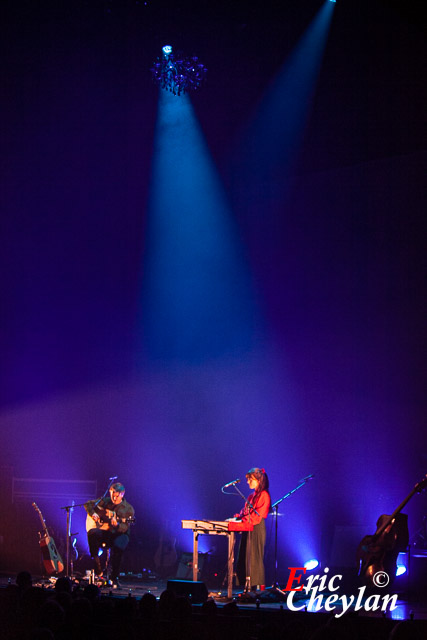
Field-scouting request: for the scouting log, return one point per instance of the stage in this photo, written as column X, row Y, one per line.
column 408, row 605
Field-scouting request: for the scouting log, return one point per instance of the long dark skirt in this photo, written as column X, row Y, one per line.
column 253, row 566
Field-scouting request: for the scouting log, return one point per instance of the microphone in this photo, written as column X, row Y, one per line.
column 114, row 478
column 230, row 484
column 307, row 478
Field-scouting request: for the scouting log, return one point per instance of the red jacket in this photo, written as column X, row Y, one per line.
column 261, row 502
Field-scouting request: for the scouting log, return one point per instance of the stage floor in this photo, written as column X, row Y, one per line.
column 407, row 606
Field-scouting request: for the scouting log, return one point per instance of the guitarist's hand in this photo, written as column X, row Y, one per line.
column 113, row 521
column 95, row 517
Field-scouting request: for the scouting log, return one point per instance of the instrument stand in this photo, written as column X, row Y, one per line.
column 209, row 527
column 275, row 589
column 69, row 510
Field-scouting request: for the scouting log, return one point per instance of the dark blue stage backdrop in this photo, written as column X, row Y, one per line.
column 195, row 285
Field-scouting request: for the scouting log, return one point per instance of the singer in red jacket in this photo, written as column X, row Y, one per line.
column 251, row 522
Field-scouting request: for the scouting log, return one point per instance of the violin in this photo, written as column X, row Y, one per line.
column 378, row 552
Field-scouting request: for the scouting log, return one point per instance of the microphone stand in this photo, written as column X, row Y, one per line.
column 275, row 589
column 251, row 507
column 69, row 509
column 110, row 484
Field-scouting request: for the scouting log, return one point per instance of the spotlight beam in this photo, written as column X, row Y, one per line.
column 276, row 132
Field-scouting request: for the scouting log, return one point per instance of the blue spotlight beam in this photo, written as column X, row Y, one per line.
column 197, row 300
column 197, row 307
column 277, row 131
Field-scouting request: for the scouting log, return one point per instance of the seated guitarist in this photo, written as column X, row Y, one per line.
column 108, row 524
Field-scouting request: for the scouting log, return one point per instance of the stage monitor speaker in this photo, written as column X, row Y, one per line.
column 196, row 592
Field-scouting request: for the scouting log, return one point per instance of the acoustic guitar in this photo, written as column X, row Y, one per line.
column 378, row 552
column 105, row 517
column 52, row 560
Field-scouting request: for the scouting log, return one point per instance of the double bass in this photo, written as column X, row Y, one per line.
column 378, row 552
